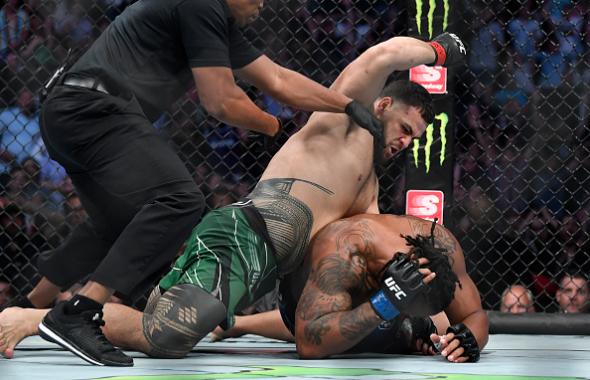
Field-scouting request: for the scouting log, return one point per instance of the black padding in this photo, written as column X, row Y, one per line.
column 539, row 323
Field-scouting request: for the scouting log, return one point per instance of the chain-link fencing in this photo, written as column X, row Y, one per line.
column 521, row 207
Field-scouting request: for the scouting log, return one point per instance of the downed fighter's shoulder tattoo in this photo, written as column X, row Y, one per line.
column 442, row 236
column 354, row 237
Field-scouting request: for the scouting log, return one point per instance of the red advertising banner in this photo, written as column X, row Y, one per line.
column 425, row 204
column 434, row 79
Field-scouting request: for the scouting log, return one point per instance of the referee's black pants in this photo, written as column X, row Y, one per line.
column 140, row 198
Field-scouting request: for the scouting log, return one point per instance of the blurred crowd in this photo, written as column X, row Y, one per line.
column 522, row 151
column 522, row 170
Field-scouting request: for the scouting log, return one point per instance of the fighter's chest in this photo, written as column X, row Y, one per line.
column 365, row 193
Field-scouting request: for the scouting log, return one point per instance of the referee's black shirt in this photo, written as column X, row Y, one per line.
column 150, row 48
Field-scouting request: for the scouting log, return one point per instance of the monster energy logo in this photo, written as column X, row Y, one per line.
column 443, row 119
column 430, row 15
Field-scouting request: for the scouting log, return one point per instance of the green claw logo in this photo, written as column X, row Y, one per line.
column 430, row 15
column 443, row 121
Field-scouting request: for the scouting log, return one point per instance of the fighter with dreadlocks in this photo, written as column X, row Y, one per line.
column 369, row 284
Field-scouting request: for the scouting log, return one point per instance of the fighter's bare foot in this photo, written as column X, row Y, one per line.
column 14, row 327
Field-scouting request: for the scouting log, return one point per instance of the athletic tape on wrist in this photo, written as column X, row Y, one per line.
column 441, row 54
column 383, row 307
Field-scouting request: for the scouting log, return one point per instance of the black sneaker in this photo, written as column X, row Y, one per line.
column 81, row 334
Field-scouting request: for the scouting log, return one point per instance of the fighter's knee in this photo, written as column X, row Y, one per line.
column 182, row 316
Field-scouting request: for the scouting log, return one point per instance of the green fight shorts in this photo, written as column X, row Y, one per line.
column 226, row 257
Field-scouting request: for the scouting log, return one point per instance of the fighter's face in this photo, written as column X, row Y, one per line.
column 402, row 124
column 245, row 11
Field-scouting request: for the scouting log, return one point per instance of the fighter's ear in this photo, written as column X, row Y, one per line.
column 383, row 103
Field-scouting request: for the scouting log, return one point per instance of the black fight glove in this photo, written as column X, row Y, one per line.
column 401, row 284
column 365, row 119
column 422, row 327
column 467, row 340
column 266, row 142
column 270, row 141
column 449, row 50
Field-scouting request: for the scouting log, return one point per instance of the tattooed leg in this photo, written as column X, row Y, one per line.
column 182, row 316
column 152, row 301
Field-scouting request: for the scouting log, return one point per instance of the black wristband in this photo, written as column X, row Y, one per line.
column 467, row 340
column 270, row 141
column 365, row 119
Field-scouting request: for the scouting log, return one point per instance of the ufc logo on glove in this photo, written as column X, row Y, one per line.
column 394, row 287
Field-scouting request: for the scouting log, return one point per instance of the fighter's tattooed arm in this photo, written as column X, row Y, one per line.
column 327, row 319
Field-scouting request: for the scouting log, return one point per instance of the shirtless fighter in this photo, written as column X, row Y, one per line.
column 328, row 306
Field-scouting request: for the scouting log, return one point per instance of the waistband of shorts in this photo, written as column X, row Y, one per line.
column 255, row 220
column 287, row 315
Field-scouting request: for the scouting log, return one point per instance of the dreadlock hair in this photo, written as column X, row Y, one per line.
column 442, row 288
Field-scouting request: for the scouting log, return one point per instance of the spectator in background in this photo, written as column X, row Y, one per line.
column 221, row 196
column 573, row 245
column 551, row 60
column 14, row 28
column 572, row 295
column 48, row 198
column 71, row 25
column 517, row 299
column 24, row 192
column 5, row 291
column 52, row 174
column 19, row 128
column 17, row 247
column 74, row 211
column 525, row 31
column 485, row 46
column 42, row 52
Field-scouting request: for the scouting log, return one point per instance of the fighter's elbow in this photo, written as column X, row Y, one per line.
column 308, row 351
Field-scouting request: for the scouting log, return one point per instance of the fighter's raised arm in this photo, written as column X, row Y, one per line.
column 365, row 77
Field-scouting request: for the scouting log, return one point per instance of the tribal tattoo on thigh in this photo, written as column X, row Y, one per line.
column 171, row 329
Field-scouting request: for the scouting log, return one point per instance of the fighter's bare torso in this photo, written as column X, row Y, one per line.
column 333, row 166
column 323, row 173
